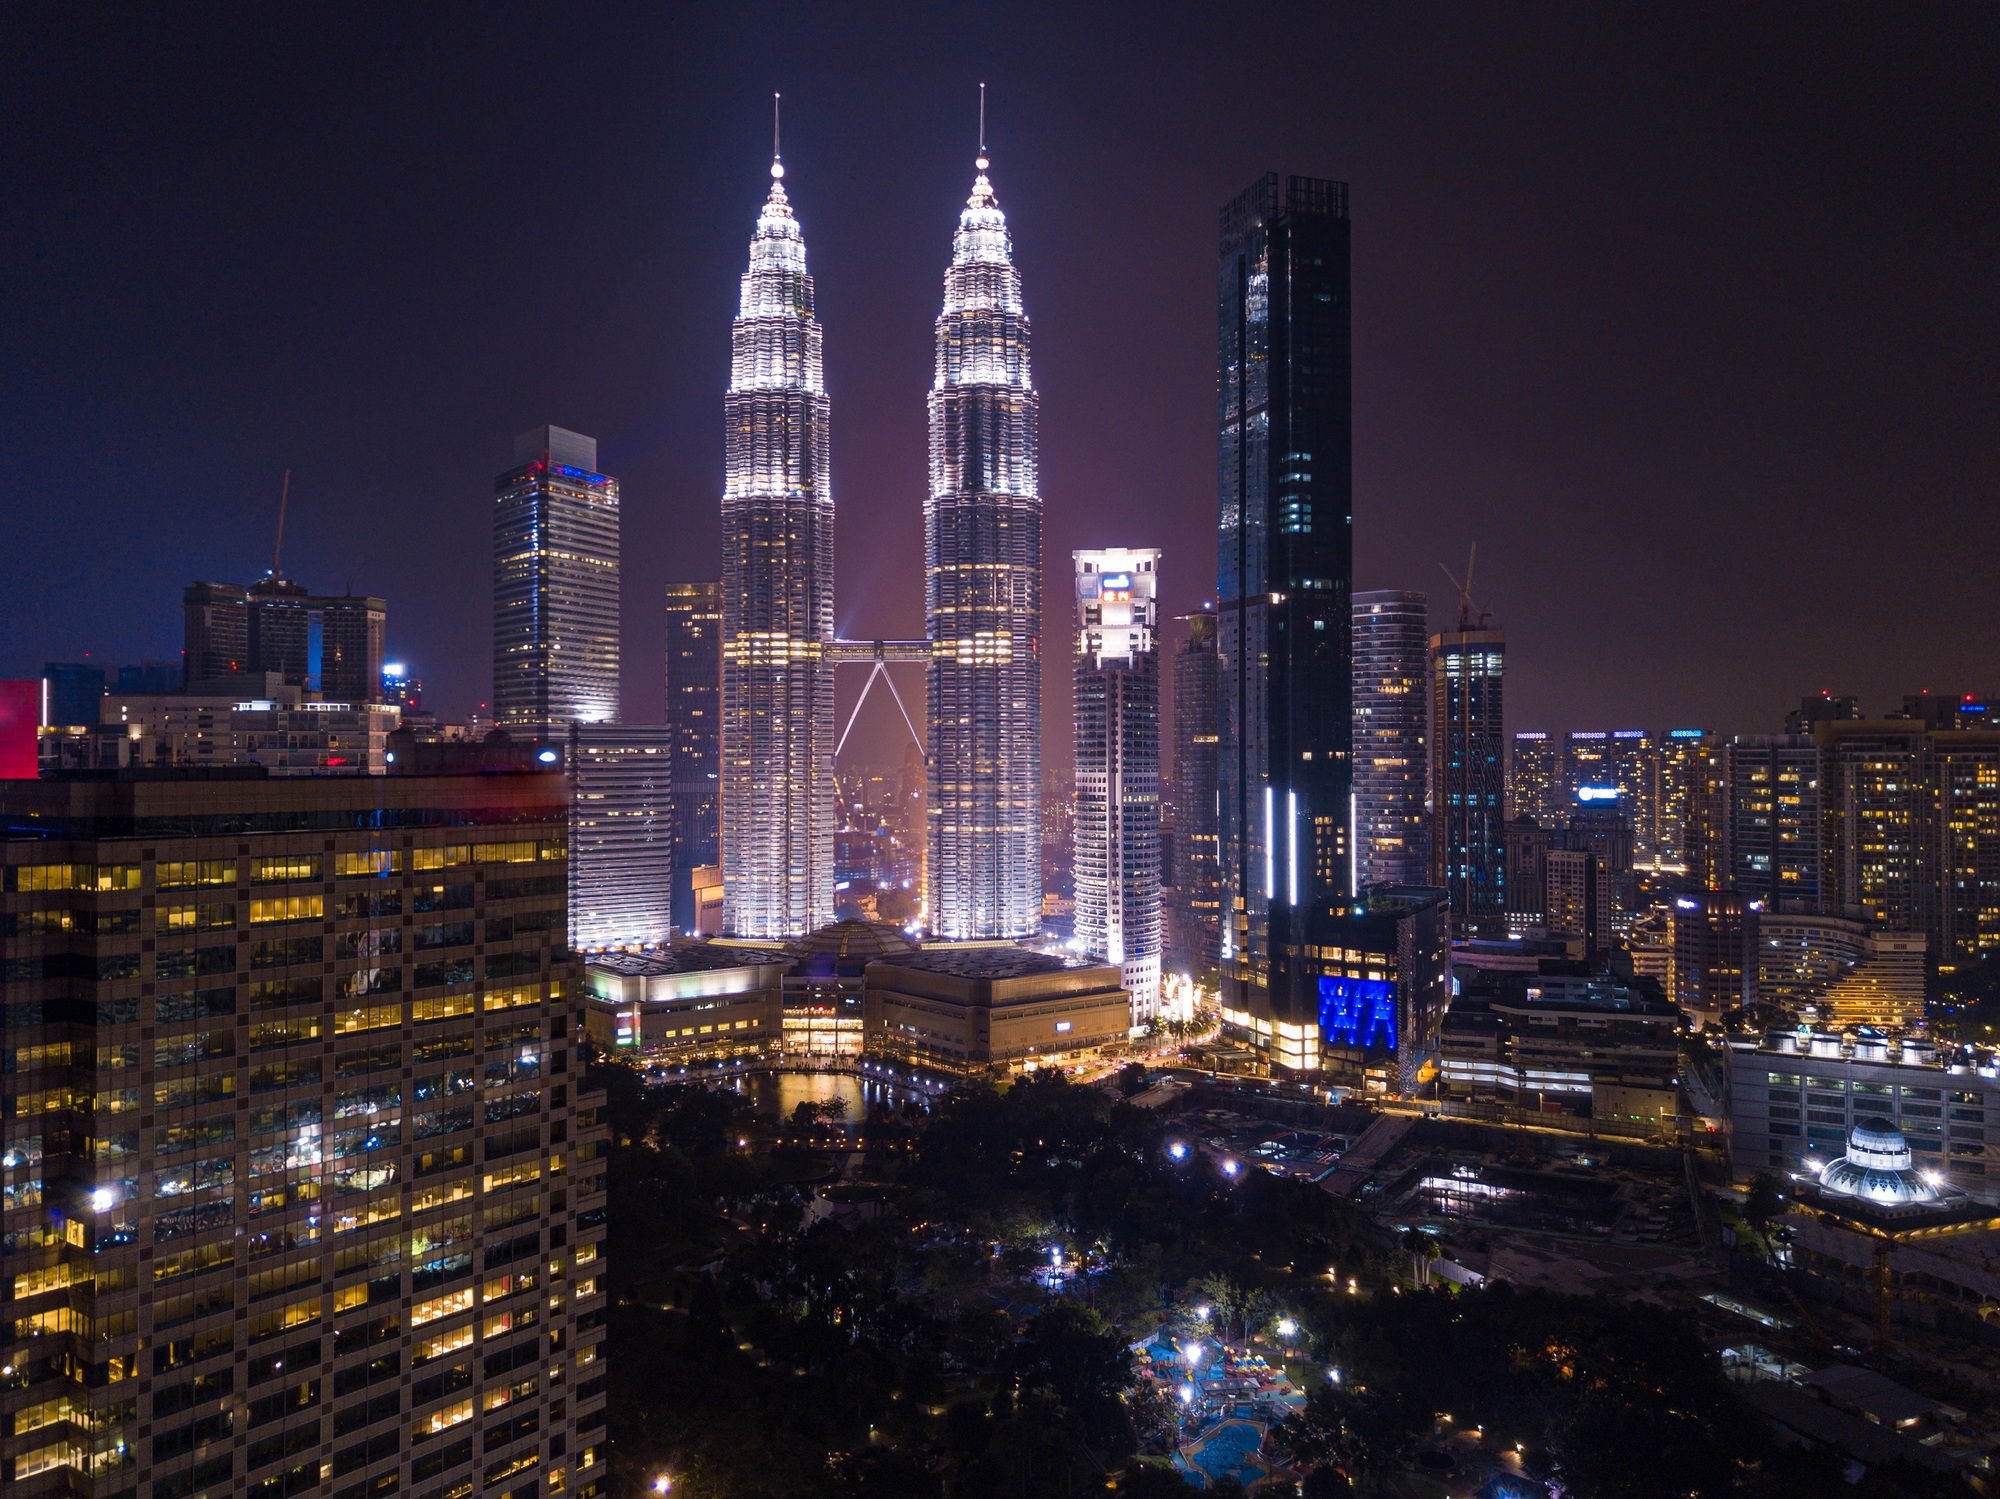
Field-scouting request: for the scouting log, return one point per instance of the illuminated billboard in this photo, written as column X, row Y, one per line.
column 1357, row 1012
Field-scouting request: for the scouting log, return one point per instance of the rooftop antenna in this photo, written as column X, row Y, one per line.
column 284, row 496
column 1467, row 610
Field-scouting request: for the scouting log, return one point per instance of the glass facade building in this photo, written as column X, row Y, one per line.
column 1391, row 768
column 1197, row 937
column 694, row 719
column 621, row 835
column 1118, row 767
column 983, row 594
column 1468, row 830
column 1534, row 781
column 1285, row 575
column 555, row 587
column 302, row 1194
column 777, row 597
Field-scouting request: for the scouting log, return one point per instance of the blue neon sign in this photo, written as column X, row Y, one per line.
column 1357, row 1012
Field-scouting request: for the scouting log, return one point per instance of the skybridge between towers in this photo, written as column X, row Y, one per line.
column 878, row 655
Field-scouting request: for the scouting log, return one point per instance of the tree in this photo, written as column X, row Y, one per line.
column 1765, row 1200
column 1132, row 1078
column 1150, row 1481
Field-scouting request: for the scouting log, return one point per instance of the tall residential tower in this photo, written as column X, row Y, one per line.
column 983, row 594
column 694, row 718
column 1196, row 934
column 1468, row 834
column 555, row 588
column 777, row 597
column 1118, row 767
column 1391, row 639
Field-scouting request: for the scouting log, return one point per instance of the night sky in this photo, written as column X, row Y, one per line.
column 1686, row 316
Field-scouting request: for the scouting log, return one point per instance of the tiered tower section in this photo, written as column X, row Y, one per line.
column 983, row 596
column 777, row 598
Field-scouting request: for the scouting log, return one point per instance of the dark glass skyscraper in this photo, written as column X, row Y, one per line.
column 1283, row 590
column 1391, row 647
column 1468, row 789
column 694, row 721
column 1197, row 928
column 983, row 594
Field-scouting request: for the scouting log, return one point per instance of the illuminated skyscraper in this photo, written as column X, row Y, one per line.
column 1197, row 932
column 621, row 834
column 1391, row 641
column 555, row 587
column 1468, row 834
column 777, row 597
column 1118, row 767
column 1683, row 758
column 1534, row 780
column 983, row 594
column 694, row 717
column 1285, row 532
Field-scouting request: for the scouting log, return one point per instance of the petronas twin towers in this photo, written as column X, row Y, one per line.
column 982, row 597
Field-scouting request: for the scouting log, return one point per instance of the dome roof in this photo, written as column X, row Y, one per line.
column 1878, row 1169
column 844, row 948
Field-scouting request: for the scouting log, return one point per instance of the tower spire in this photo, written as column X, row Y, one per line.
column 777, row 157
column 982, row 127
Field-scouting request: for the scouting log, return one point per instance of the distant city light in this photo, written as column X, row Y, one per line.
column 548, row 757
column 104, row 1199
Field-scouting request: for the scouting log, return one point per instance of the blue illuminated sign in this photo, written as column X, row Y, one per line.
column 1597, row 793
column 1357, row 1012
column 1685, row 733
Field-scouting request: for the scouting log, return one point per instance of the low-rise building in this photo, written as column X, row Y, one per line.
column 694, row 1001
column 991, row 1007
column 283, row 728
column 1796, row 1095
column 1566, row 1040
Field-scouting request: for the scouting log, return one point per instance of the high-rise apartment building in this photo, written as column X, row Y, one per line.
column 1624, row 760
column 777, row 596
column 1283, row 601
column 216, row 639
column 1197, row 925
column 1770, row 825
column 1682, row 756
column 1468, row 832
column 983, row 593
column 694, row 718
column 621, row 835
column 1118, row 917
column 1534, row 779
column 555, row 587
column 303, row 1195
column 281, row 628
column 1391, row 768
column 353, row 634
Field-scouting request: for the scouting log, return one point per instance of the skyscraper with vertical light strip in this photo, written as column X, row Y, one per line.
column 983, row 594
column 777, row 597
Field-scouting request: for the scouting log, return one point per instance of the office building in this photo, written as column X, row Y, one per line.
column 991, row 1008
column 281, row 628
column 352, row 635
column 1284, row 586
column 326, row 1215
column 1796, row 1094
column 1468, row 838
column 1117, row 717
column 1534, row 779
column 1196, row 931
column 1715, row 954
column 72, row 693
column 983, row 594
column 1567, row 1039
column 1801, row 951
column 1601, row 826
column 1391, row 764
column 555, row 587
column 1527, row 901
column 281, row 728
column 216, row 632
column 694, row 715
column 621, row 835
column 1683, row 755
column 1884, row 990
column 777, row 729
column 151, row 677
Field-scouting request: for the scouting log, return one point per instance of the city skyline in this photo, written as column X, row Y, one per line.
column 1443, row 367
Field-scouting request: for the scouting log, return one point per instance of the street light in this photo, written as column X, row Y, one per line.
column 1287, row 1327
column 1202, row 1312
column 663, row 1483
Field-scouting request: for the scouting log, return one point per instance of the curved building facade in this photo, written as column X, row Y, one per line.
column 777, row 598
column 983, row 595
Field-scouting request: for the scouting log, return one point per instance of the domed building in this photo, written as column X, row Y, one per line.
column 1879, row 1170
